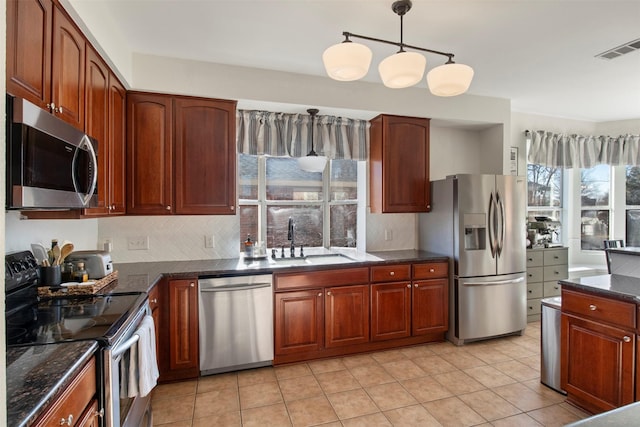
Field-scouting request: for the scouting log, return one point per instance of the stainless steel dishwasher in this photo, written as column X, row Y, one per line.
column 236, row 323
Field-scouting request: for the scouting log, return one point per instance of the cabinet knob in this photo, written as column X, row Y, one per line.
column 432, row 270
column 51, row 106
column 530, row 291
column 529, row 259
column 154, row 301
column 99, row 413
column 329, row 293
column 58, row 110
column 556, row 288
column 319, row 294
column 232, row 207
column 113, row 207
column 192, row 284
column 67, row 421
column 168, row 207
column 415, row 285
column 626, row 339
column 392, row 273
column 409, row 285
column 592, row 307
column 555, row 257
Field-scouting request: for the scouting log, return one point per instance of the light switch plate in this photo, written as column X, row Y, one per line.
column 138, row 243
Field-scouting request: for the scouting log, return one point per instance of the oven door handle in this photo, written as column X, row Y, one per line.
column 118, row 351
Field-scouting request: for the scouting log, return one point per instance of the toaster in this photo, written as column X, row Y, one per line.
column 97, row 263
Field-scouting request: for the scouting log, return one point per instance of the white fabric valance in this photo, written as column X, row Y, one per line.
column 577, row 151
column 282, row 134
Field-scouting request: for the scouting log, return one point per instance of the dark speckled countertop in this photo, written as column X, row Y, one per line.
column 608, row 285
column 37, row 374
column 143, row 276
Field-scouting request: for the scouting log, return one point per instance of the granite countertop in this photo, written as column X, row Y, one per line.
column 624, row 416
column 608, row 285
column 37, row 374
column 142, row 276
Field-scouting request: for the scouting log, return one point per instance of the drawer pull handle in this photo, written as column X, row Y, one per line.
column 67, row 421
column 319, row 294
column 432, row 270
column 392, row 273
column 530, row 259
column 415, row 285
column 192, row 284
column 329, row 293
column 154, row 301
column 626, row 339
column 409, row 285
column 555, row 257
column 530, row 291
column 556, row 288
column 592, row 307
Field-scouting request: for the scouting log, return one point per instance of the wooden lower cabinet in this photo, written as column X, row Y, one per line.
column 390, row 310
column 299, row 321
column 346, row 311
column 430, row 306
column 91, row 416
column 177, row 341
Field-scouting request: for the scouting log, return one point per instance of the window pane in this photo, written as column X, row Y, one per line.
column 544, row 186
column 286, row 181
column 248, row 177
column 343, row 220
column 553, row 214
column 633, row 227
column 594, row 229
column 633, row 185
column 595, row 186
column 344, row 180
column 248, row 224
column 308, row 226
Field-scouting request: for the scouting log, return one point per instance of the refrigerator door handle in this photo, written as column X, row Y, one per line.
column 501, row 226
column 491, row 226
column 497, row 282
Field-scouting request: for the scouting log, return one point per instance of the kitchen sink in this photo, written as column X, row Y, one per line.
column 320, row 259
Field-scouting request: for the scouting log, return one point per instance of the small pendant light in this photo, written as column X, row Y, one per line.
column 312, row 162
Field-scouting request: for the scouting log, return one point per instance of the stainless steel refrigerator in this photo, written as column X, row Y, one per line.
column 479, row 222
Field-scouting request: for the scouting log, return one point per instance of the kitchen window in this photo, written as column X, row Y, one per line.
column 544, row 192
column 323, row 205
column 632, row 198
column 595, row 191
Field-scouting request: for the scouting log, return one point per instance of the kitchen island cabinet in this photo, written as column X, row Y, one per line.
column 399, row 164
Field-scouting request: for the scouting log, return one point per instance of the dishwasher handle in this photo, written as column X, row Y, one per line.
column 236, row 287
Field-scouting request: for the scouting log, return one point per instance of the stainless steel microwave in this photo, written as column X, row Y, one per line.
column 50, row 164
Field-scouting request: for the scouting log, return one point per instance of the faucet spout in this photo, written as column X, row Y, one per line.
column 291, row 234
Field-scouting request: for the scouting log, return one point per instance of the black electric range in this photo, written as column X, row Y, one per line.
column 31, row 320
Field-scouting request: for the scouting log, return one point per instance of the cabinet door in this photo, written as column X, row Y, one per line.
column 597, row 364
column 117, row 146
column 430, row 306
column 183, row 325
column 29, row 50
column 149, row 154
column 390, row 311
column 205, row 156
column 156, row 313
column 90, row 417
column 68, row 70
column 97, row 123
column 399, row 165
column 346, row 315
column 299, row 321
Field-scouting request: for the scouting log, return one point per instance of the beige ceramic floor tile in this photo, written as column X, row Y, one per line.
column 464, row 360
column 292, row 371
column 520, row 420
column 553, row 416
column 575, row 410
column 444, row 347
column 489, row 376
column 532, row 361
column 256, row 376
column 514, row 350
column 227, row 419
column 529, row 343
column 390, row 396
column 426, row 389
column 404, row 369
column 523, row 397
column 299, row 388
column 186, row 423
column 488, row 354
column 433, row 365
column 371, row 375
column 415, row 415
column 416, row 351
column 313, row 411
column 358, row 360
column 216, row 402
column 517, row 370
column 328, row 365
column 174, row 389
column 351, row 404
column 489, row 405
column 377, row 420
column 388, row 356
column 458, row 382
column 259, row 395
column 178, row 408
column 266, row 416
column 217, row 382
column 337, row 381
column 453, row 412
column 545, row 391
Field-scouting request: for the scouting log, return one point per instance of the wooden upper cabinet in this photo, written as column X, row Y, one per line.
column 29, row 50
column 67, row 70
column 117, row 147
column 399, row 164
column 149, row 154
column 205, row 156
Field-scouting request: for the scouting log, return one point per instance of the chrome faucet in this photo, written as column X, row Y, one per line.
column 291, row 235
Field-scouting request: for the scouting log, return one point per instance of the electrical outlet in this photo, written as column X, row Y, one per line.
column 208, row 241
column 388, row 234
column 138, row 243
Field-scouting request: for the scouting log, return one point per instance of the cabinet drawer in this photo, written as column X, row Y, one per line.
column 534, row 274
column 598, row 308
column 555, row 272
column 431, row 270
column 391, row 273
column 555, row 256
column 552, row 289
column 534, row 290
column 534, row 259
column 533, row 306
column 74, row 399
column 315, row 279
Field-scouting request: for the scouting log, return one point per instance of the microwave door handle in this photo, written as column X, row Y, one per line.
column 85, row 142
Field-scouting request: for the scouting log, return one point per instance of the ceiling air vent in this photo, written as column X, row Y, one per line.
column 631, row 46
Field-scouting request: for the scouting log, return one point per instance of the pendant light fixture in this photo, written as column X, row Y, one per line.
column 312, row 162
column 348, row 61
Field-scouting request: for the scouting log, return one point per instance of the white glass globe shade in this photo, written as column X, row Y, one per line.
column 312, row 163
column 402, row 69
column 347, row 61
column 449, row 79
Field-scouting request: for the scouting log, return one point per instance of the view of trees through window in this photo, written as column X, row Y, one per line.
column 632, row 190
column 595, row 189
column 323, row 206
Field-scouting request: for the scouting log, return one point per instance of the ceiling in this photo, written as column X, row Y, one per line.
column 538, row 53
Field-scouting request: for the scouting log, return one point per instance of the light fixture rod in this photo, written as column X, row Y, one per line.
column 401, row 45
